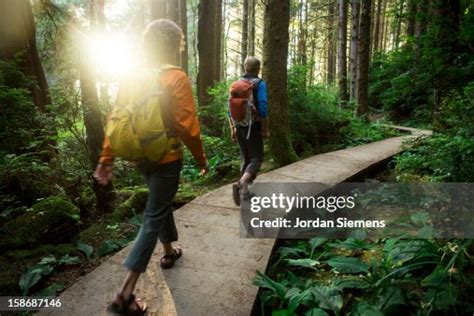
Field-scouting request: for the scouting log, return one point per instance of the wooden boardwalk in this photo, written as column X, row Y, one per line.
column 214, row 276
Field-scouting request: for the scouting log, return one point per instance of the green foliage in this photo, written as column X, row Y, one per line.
column 409, row 81
column 221, row 154
column 214, row 115
column 21, row 124
column 51, row 220
column 404, row 275
column 360, row 132
column 134, row 204
column 44, row 268
column 315, row 118
column 85, row 249
column 448, row 155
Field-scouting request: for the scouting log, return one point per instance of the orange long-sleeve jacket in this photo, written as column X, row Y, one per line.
column 183, row 113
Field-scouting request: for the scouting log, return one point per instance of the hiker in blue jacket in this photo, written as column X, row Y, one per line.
column 250, row 138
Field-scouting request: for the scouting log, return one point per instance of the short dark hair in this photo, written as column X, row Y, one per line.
column 251, row 65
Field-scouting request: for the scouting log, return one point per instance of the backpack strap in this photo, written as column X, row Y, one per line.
column 255, row 83
column 165, row 101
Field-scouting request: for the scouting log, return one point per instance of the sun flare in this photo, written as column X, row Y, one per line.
column 112, row 54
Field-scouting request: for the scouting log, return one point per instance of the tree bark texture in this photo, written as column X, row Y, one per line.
column 342, row 52
column 18, row 36
column 355, row 10
column 251, row 29
column 331, row 63
column 245, row 25
column 275, row 50
column 206, row 48
column 363, row 58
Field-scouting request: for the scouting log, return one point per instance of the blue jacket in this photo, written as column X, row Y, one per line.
column 261, row 96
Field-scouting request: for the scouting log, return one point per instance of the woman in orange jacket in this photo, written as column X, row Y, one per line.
column 163, row 40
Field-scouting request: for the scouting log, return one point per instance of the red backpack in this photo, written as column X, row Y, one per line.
column 242, row 106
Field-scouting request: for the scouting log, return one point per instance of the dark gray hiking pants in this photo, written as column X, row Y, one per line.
column 251, row 150
column 158, row 221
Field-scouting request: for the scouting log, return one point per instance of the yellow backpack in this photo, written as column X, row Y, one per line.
column 136, row 127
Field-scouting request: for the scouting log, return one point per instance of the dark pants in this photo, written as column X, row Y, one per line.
column 251, row 150
column 158, row 221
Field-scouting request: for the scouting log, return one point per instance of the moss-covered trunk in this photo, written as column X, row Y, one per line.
column 275, row 56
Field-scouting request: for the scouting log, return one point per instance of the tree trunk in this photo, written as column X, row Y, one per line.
column 92, row 116
column 384, row 38
column 396, row 41
column 342, row 52
column 445, row 26
column 217, row 42
column 412, row 5
column 245, row 25
column 159, row 9
column 331, row 71
column 420, row 26
column 372, row 28
column 18, row 34
column 302, row 34
column 206, row 48
column 251, row 30
column 355, row 10
column 183, row 23
column 376, row 37
column 275, row 50
column 363, row 58
column 173, row 11
column 384, row 22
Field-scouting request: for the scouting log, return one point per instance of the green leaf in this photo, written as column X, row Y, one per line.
column 316, row 312
column 293, row 251
column 28, row 280
column 327, row 297
column 32, row 276
column 366, row 309
column 281, row 312
column 51, row 290
column 426, row 232
column 304, row 263
column 348, row 264
column 107, row 247
column 351, row 243
column 264, row 281
column 391, row 296
column 351, row 283
column 85, row 249
column 420, row 218
column 49, row 260
column 315, row 243
column 297, row 299
column 67, row 259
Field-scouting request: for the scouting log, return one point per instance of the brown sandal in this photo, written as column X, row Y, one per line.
column 121, row 306
column 171, row 259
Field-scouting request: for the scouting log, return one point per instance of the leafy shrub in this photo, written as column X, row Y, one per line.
column 397, row 275
column 27, row 177
column 214, row 115
column 315, row 118
column 448, row 155
column 360, row 132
